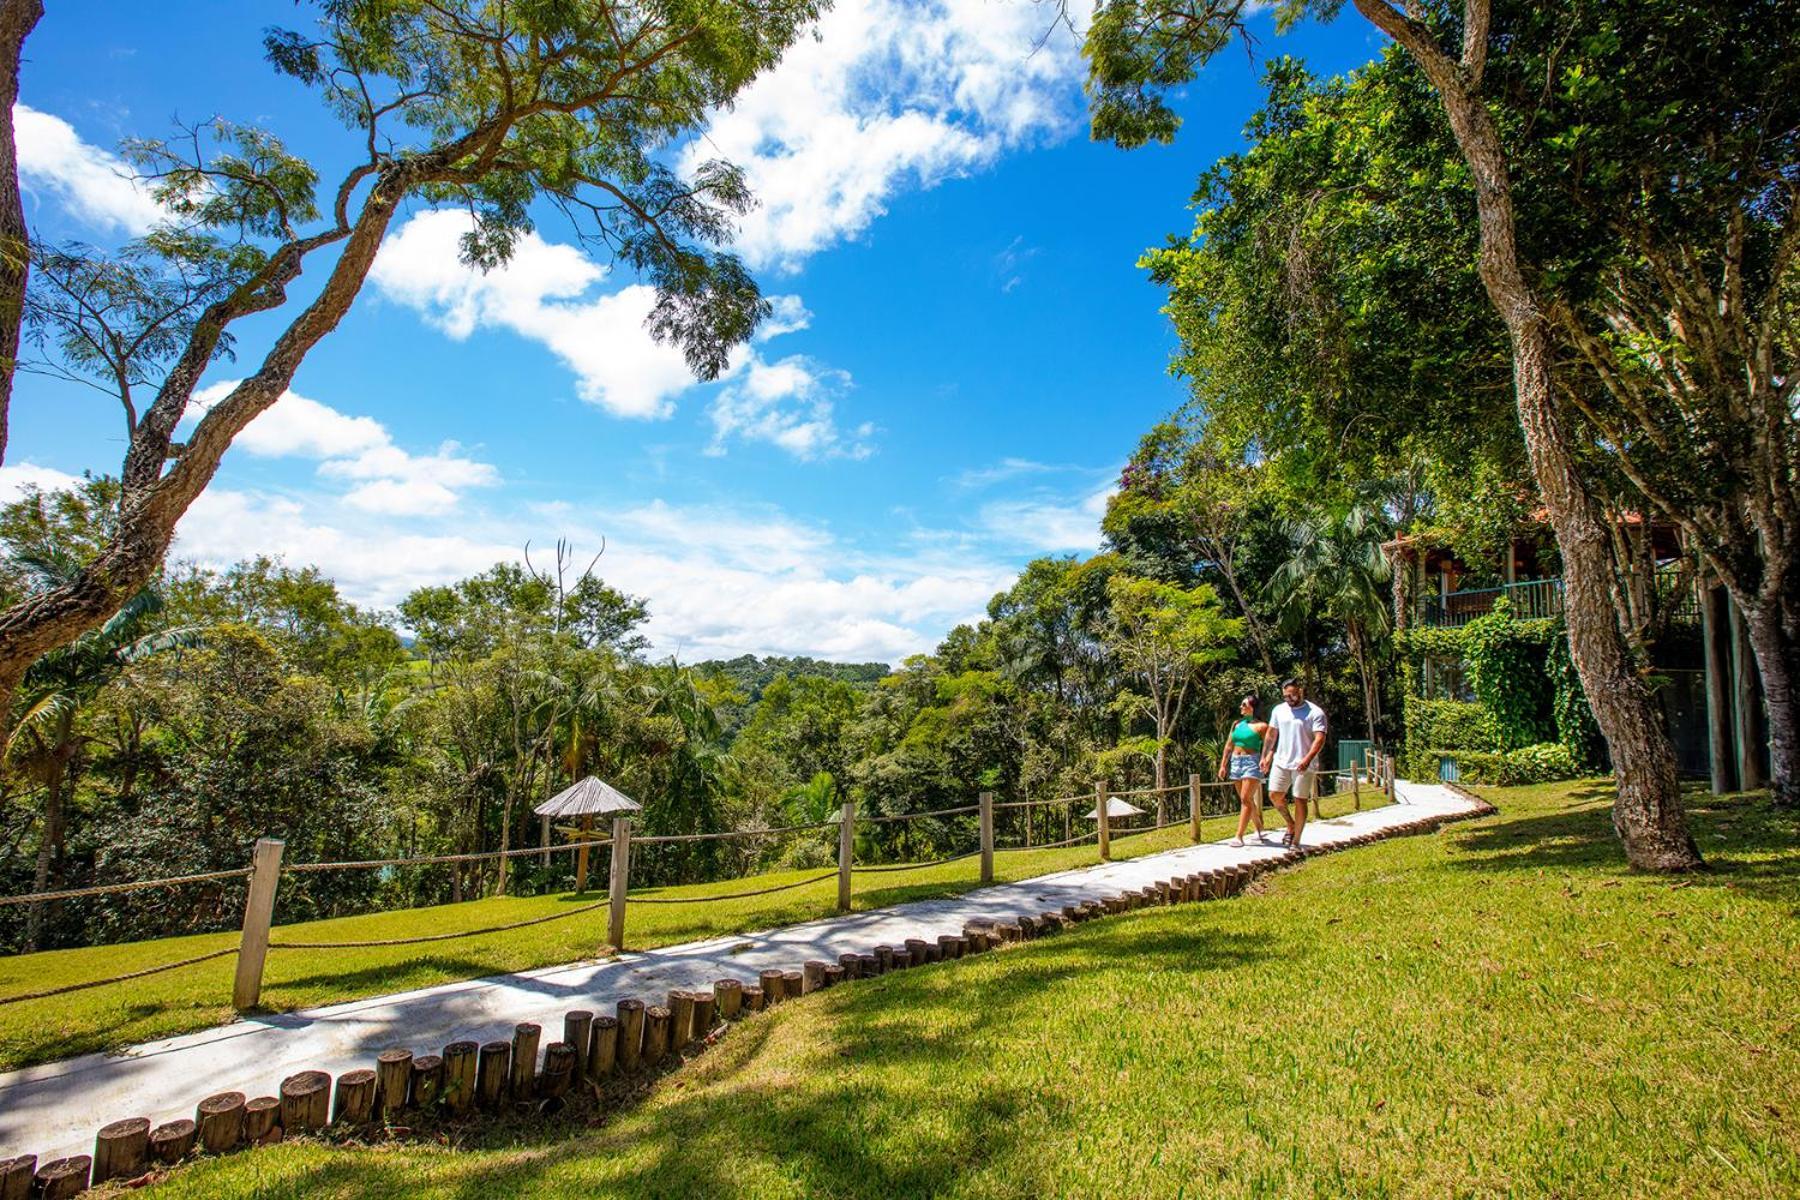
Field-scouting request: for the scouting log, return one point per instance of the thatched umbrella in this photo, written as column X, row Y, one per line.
column 586, row 799
column 1115, row 808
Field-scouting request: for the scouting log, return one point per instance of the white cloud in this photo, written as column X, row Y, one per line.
column 93, row 185
column 787, row 315
column 542, row 294
column 1046, row 523
column 788, row 404
column 721, row 581
column 889, row 94
column 16, row 477
column 358, row 449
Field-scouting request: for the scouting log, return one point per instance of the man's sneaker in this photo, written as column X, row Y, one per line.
column 1237, row 841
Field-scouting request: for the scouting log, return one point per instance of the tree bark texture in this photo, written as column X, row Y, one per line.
column 17, row 19
column 1647, row 814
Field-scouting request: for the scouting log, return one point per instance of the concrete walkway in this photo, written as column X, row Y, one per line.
column 54, row 1109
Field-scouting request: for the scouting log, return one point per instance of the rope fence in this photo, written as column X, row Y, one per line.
column 113, row 889
column 267, row 868
column 768, row 891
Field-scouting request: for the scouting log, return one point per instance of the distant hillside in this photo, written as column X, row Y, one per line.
column 749, row 675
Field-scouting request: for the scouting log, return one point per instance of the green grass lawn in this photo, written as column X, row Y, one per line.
column 1500, row 1009
column 196, row 997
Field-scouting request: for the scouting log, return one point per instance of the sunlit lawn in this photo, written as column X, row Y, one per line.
column 1499, row 1009
column 196, row 997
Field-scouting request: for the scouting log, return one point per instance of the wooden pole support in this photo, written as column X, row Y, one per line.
column 64, row 1177
column 16, row 1175
column 730, row 995
column 949, row 945
column 492, row 1066
column 560, row 1062
column 846, row 851
column 305, row 1101
column 1194, row 809
column 459, row 1076
column 259, row 911
column 754, row 1000
column 173, row 1141
column 631, row 1034
column 681, row 1020
column 773, row 993
column 619, row 883
column 525, row 1059
column 703, row 1014
column 220, row 1119
column 262, row 1120
column 393, row 1080
column 578, row 1031
column 884, row 955
column 656, row 1034
column 1101, row 819
column 852, row 964
column 792, row 984
column 427, row 1081
column 917, row 948
column 355, row 1102
column 987, row 837
column 1356, row 783
column 813, row 975
column 581, row 853
column 121, row 1149
column 603, row 1051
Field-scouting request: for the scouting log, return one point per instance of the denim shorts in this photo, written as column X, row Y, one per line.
column 1246, row 766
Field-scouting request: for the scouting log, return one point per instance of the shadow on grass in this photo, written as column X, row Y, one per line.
column 1748, row 845
column 786, row 1127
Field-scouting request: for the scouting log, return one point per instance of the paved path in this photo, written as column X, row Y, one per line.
column 54, row 1109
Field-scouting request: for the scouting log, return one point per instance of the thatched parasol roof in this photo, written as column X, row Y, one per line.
column 1115, row 808
column 588, row 797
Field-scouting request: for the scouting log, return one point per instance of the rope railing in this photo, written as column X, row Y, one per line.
column 111, row 889
column 938, row 812
column 768, row 891
column 66, row 988
column 266, row 869
column 664, row 839
column 371, row 943
column 434, row 859
column 883, row 868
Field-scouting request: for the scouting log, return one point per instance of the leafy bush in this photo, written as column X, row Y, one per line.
column 1506, row 660
column 1544, row 762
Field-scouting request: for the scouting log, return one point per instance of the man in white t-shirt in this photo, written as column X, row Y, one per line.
column 1291, row 755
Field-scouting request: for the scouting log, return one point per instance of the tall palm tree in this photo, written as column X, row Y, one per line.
column 1335, row 571
column 43, row 738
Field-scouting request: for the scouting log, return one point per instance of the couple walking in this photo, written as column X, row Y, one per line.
column 1284, row 751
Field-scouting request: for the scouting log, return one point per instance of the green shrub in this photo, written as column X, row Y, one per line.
column 1507, row 661
column 1545, row 762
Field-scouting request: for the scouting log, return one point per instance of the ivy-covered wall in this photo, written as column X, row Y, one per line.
column 1530, row 721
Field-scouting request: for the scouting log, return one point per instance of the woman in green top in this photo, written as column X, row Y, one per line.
column 1241, row 762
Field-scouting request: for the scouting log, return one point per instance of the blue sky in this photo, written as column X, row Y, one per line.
column 965, row 351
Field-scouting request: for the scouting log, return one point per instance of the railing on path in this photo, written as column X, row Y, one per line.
column 264, row 873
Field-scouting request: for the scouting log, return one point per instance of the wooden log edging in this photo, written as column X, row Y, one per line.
column 597, row 1051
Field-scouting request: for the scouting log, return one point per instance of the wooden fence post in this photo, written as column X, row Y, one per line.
column 987, row 837
column 1100, row 816
column 1356, row 782
column 621, row 875
column 259, row 910
column 1194, row 808
column 846, row 849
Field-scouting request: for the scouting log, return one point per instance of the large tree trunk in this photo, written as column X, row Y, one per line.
column 1778, row 661
column 1648, row 812
column 17, row 19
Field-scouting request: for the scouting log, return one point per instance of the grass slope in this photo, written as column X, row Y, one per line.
column 197, row 997
column 1500, row 1009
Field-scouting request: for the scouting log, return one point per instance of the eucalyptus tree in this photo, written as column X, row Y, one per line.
column 499, row 109
column 1140, row 49
column 17, row 19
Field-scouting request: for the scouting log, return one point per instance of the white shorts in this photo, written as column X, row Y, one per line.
column 1301, row 785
